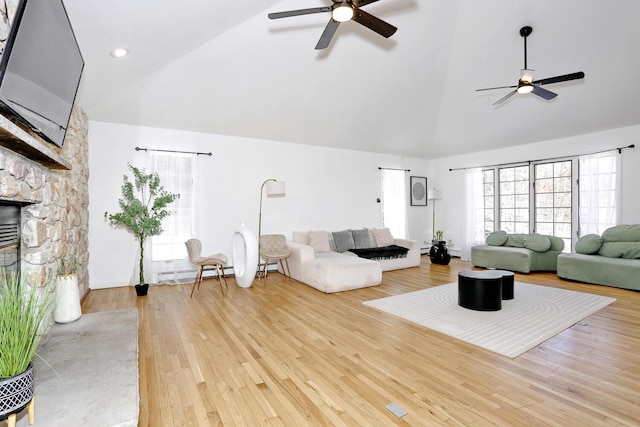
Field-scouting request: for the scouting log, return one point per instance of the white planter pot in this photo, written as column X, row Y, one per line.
column 245, row 256
column 67, row 299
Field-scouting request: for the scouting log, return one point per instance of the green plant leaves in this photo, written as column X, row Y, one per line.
column 143, row 207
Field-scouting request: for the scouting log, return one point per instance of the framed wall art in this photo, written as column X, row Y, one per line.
column 418, row 190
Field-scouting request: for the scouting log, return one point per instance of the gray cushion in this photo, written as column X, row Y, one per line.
column 588, row 244
column 361, row 238
column 343, row 240
column 497, row 238
column 537, row 242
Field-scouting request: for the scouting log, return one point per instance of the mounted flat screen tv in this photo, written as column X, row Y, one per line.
column 40, row 69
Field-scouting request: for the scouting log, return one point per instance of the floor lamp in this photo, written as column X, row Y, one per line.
column 274, row 188
column 434, row 195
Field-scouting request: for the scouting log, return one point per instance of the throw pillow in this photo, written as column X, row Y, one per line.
column 588, row 244
column 343, row 240
column 557, row 244
column 515, row 240
column 497, row 238
column 361, row 238
column 383, row 237
column 372, row 237
column 319, row 241
column 622, row 233
column 537, row 243
column 616, row 249
column 301, row 237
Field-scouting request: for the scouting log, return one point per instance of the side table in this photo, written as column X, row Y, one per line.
column 439, row 253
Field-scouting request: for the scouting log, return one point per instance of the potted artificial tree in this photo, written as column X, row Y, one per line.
column 24, row 314
column 143, row 207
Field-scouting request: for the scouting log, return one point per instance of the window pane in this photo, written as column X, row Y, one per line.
column 553, row 200
column 514, row 199
column 598, row 209
column 489, row 199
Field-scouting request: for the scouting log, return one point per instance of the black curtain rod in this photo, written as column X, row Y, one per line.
column 543, row 160
column 392, row 169
column 173, row 151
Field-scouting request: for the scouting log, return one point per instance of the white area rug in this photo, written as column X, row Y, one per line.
column 96, row 360
column 536, row 314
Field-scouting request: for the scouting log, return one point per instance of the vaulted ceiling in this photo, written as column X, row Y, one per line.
column 225, row 68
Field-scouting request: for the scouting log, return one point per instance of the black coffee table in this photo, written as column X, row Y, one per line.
column 480, row 290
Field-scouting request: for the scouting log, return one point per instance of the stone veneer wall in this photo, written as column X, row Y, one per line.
column 55, row 223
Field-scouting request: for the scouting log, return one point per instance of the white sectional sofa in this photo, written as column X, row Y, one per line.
column 316, row 260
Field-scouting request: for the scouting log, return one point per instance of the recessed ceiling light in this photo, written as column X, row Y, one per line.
column 119, row 53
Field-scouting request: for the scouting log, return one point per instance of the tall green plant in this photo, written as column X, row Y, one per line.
column 143, row 207
column 24, row 312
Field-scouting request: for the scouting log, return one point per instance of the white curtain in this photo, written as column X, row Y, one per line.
column 394, row 202
column 599, row 191
column 474, row 233
column 166, row 259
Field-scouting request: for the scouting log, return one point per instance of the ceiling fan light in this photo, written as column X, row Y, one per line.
column 525, row 87
column 342, row 12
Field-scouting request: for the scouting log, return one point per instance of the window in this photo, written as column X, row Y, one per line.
column 514, row 199
column 394, row 202
column 168, row 261
column 488, row 183
column 545, row 207
column 176, row 176
column 553, row 200
column 556, row 204
column 598, row 192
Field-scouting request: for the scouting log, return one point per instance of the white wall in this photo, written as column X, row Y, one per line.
column 450, row 210
column 326, row 188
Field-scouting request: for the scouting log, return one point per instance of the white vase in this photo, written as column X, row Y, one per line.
column 67, row 299
column 245, row 256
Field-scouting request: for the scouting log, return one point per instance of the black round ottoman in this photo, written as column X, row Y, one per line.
column 507, row 283
column 480, row 290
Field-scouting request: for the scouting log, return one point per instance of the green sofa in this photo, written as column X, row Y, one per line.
column 522, row 253
column 612, row 260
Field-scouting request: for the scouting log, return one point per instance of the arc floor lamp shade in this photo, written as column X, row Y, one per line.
column 275, row 188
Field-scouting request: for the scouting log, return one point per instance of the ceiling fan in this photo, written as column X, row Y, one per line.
column 526, row 84
column 342, row 11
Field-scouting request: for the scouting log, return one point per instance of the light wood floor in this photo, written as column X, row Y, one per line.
column 281, row 353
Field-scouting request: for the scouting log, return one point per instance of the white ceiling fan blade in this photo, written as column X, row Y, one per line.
column 504, row 98
column 526, row 75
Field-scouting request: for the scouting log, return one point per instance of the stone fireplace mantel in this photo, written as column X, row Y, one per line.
column 17, row 140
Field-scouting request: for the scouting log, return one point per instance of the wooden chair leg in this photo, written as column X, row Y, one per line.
column 11, row 421
column 224, row 278
column 265, row 271
column 286, row 261
column 197, row 281
column 220, row 279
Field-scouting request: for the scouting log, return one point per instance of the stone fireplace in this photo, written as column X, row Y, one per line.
column 49, row 187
